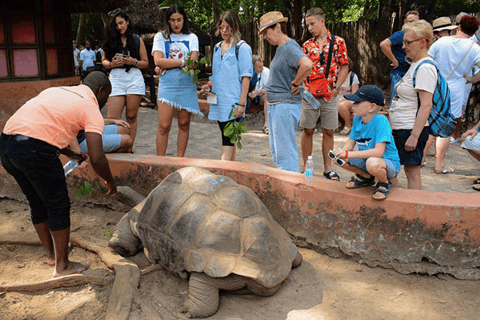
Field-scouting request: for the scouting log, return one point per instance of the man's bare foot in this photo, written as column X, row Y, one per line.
column 72, row 268
column 50, row 261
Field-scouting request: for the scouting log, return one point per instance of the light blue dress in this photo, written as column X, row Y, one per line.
column 227, row 74
column 175, row 88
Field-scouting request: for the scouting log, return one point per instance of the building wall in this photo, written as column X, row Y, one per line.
column 14, row 94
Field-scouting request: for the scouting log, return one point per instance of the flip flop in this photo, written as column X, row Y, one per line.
column 446, row 170
column 265, row 130
column 359, row 182
column 332, row 175
column 383, row 192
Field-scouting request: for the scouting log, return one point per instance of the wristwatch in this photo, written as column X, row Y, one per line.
column 338, row 89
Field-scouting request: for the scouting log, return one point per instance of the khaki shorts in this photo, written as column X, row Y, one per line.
column 328, row 111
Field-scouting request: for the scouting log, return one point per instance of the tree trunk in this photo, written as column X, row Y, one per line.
column 81, row 23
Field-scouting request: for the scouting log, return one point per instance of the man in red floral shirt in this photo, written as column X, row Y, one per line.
column 317, row 49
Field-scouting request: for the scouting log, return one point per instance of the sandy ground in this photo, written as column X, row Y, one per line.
column 321, row 288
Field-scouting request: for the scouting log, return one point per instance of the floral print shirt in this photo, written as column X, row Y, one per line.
column 339, row 58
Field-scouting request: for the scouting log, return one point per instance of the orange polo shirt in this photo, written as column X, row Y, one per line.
column 56, row 115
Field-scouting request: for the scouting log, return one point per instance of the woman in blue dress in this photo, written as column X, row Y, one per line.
column 175, row 90
column 231, row 73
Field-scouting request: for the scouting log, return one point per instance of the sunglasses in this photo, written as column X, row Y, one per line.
column 337, row 160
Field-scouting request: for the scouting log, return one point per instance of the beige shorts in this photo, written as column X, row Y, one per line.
column 328, row 111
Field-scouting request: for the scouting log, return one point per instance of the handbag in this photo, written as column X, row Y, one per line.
column 318, row 83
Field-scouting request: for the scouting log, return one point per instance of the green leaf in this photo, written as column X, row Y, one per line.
column 239, row 145
column 92, row 220
column 206, row 60
column 190, row 72
column 195, row 77
column 228, row 131
column 233, row 139
column 108, row 233
column 242, row 127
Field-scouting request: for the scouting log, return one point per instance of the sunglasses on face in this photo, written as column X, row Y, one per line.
column 337, row 160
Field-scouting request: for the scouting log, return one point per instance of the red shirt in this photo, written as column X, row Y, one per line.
column 339, row 58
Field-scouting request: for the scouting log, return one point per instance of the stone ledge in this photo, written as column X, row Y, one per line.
column 410, row 232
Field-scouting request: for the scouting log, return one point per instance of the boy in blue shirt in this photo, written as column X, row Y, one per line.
column 377, row 157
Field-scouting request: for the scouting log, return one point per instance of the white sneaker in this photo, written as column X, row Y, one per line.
column 452, row 140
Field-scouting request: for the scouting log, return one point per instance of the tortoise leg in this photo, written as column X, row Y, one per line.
column 298, row 260
column 124, row 240
column 203, row 298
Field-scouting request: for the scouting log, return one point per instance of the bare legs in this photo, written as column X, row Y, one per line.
column 56, row 245
column 115, row 110
column 165, row 116
column 344, row 110
column 228, row 153
column 414, row 180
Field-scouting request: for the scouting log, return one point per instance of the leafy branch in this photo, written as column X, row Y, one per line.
column 192, row 66
column 234, row 129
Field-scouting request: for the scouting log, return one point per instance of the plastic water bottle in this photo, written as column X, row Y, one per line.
column 309, row 169
column 310, row 99
column 70, row 165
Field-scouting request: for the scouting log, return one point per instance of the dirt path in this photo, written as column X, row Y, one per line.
column 321, row 288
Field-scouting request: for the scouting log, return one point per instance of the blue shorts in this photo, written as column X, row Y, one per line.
column 110, row 139
column 410, row 158
column 392, row 171
column 36, row 167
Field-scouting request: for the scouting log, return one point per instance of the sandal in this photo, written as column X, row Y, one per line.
column 384, row 192
column 345, row 131
column 332, row 175
column 265, row 130
column 359, row 182
column 476, row 185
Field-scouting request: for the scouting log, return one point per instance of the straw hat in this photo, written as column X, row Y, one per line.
column 443, row 23
column 271, row 18
column 460, row 16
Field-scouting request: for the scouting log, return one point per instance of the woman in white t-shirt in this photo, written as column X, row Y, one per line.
column 175, row 90
column 349, row 86
column 455, row 57
column 409, row 122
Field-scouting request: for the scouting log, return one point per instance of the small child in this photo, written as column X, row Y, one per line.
column 377, row 157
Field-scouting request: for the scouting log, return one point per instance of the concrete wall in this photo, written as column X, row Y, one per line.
column 410, row 232
column 14, row 94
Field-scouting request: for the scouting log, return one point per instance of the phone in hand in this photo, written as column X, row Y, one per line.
column 119, row 56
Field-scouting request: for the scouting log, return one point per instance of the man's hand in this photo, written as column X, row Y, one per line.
column 411, row 143
column 394, row 64
column 470, row 132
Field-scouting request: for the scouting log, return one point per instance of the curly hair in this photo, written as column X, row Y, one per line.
column 469, row 24
column 113, row 42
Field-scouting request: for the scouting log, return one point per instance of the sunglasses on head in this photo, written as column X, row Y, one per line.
column 337, row 160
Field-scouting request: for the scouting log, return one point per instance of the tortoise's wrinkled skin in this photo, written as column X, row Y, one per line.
column 212, row 230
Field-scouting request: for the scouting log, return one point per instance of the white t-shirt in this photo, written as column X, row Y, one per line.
column 177, row 47
column 403, row 110
column 346, row 87
column 447, row 52
column 262, row 79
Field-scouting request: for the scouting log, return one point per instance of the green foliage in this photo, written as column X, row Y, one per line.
column 192, row 66
column 92, row 30
column 84, row 189
column 109, row 233
column 234, row 129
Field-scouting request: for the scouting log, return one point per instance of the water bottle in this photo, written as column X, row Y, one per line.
column 70, row 165
column 309, row 169
column 310, row 99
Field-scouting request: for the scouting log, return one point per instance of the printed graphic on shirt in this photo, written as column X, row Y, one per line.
column 177, row 50
column 363, row 142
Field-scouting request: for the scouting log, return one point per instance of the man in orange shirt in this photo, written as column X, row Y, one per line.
column 31, row 143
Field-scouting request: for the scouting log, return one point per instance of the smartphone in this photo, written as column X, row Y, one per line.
column 119, row 56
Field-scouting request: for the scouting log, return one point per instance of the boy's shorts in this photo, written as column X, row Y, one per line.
column 328, row 111
column 392, row 171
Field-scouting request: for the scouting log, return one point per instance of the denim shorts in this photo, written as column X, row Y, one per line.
column 410, row 158
column 392, row 171
column 111, row 140
column 36, row 167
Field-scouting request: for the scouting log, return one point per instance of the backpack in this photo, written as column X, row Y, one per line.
column 237, row 46
column 442, row 121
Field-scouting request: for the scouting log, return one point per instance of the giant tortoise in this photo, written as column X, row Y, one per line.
column 215, row 232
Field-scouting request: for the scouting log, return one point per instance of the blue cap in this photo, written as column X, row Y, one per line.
column 370, row 93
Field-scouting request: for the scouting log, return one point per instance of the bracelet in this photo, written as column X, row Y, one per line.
column 346, row 154
column 295, row 85
column 476, row 128
column 136, row 61
column 183, row 63
column 240, row 105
